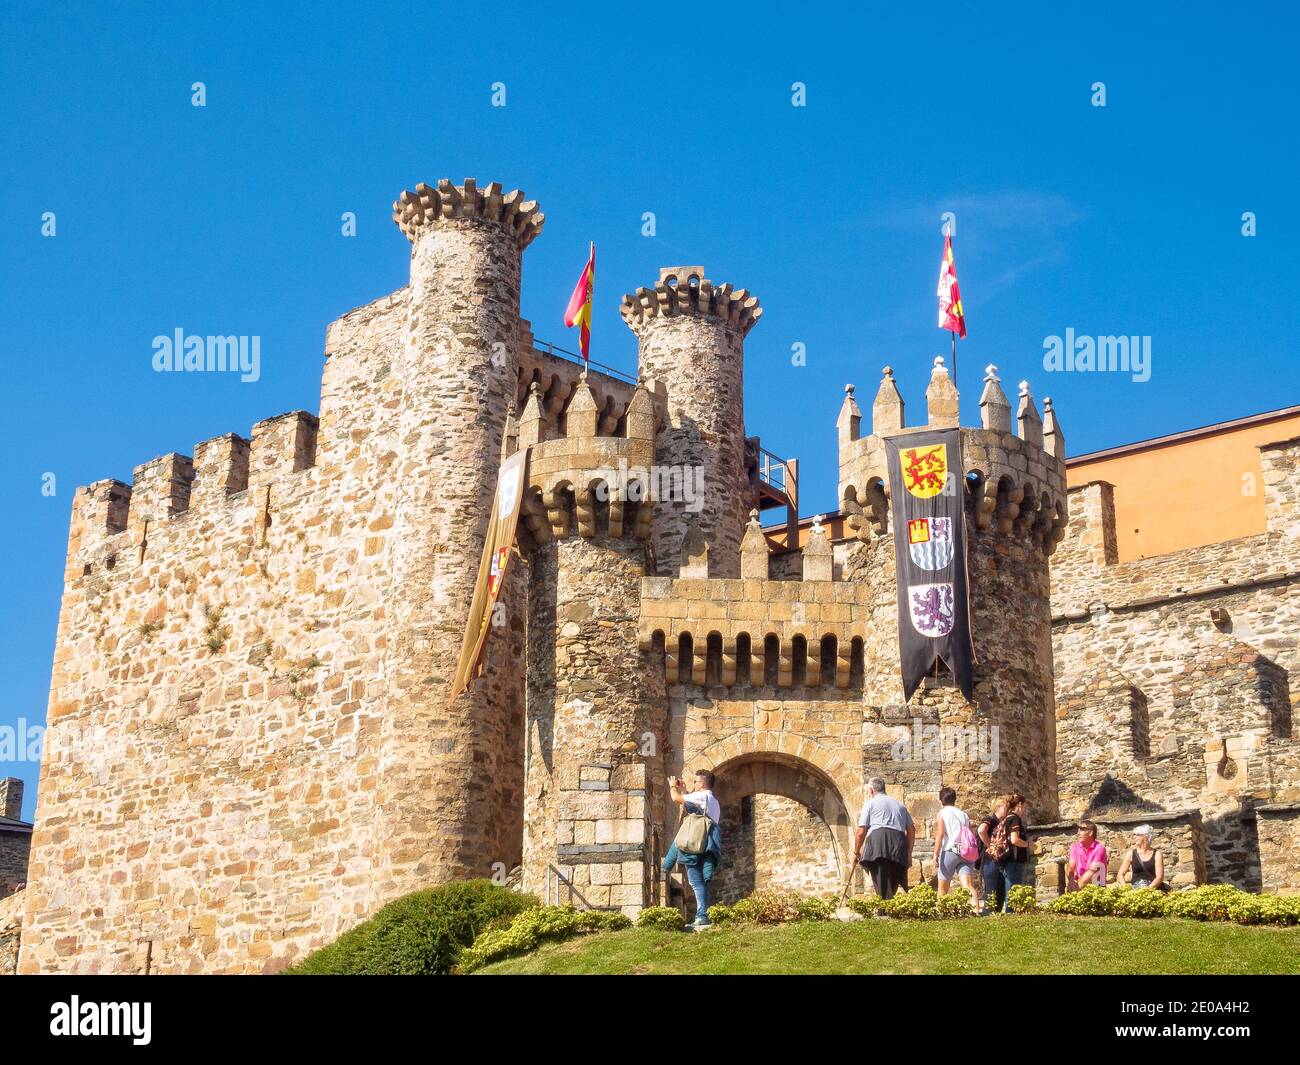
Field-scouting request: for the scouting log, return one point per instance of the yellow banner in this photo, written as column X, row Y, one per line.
column 502, row 525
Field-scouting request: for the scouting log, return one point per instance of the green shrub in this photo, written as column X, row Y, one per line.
column 955, row 904
column 813, row 908
column 1281, row 909
column 666, row 917
column 1209, row 902
column 719, row 913
column 1090, row 901
column 866, row 905
column 1021, row 899
column 767, row 907
column 1140, row 902
column 418, row 934
column 1247, row 909
column 920, row 903
column 603, row 921
column 530, row 929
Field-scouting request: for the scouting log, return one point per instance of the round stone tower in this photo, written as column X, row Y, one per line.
column 451, row 776
column 1013, row 486
column 691, row 335
column 594, row 733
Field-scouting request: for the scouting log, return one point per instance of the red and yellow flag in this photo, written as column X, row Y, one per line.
column 951, row 315
column 578, row 312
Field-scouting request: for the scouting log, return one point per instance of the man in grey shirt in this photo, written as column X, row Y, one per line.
column 888, row 832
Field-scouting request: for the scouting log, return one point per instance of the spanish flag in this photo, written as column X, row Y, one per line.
column 951, row 315
column 578, row 312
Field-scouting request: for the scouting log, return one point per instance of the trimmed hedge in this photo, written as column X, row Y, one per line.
column 1210, row 902
column 773, row 907
column 418, row 934
column 530, row 929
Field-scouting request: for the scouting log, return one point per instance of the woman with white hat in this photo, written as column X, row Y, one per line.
column 1146, row 864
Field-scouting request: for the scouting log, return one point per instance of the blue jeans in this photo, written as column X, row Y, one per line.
column 1013, row 873
column 995, row 886
column 698, row 877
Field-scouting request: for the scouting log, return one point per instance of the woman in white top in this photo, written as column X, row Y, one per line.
column 948, row 834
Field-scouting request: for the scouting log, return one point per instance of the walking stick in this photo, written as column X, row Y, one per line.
column 844, row 894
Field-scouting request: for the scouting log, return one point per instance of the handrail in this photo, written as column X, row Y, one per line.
column 768, row 463
column 573, row 356
column 573, row 891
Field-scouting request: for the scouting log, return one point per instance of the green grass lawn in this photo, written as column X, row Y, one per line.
column 1038, row 944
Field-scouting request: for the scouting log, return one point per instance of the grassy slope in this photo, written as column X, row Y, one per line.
column 988, row 945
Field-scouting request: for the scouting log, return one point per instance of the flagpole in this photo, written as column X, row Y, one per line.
column 954, row 357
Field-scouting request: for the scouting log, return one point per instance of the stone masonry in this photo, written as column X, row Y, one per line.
column 250, row 747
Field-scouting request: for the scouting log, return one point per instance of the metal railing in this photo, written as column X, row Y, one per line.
column 573, row 356
column 774, row 471
column 554, row 878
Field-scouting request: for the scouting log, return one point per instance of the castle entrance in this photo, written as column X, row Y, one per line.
column 785, row 826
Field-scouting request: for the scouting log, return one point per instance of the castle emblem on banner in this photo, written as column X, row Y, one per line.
column 930, row 542
column 931, row 608
column 925, row 470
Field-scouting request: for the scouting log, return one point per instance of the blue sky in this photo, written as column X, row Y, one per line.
column 226, row 219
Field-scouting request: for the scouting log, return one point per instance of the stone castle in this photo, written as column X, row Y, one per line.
column 250, row 746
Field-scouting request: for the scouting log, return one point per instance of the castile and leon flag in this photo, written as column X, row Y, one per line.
column 926, row 493
column 952, row 316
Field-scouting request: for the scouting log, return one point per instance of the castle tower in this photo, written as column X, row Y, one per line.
column 690, row 336
column 451, row 777
column 593, row 734
column 1014, row 489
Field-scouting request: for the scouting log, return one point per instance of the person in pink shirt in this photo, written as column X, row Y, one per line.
column 1088, row 858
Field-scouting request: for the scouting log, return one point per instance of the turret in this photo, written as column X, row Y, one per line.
column 457, row 365
column 1014, row 490
column 592, row 697
column 690, row 334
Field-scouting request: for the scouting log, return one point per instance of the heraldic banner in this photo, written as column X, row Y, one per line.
column 502, row 525
column 926, row 492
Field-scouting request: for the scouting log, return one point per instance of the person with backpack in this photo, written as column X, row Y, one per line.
column 995, row 888
column 1016, row 847
column 956, row 847
column 698, row 844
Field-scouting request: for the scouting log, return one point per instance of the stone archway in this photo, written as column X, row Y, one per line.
column 785, row 826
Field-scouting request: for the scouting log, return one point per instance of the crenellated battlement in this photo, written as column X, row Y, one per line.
column 684, row 290
column 1014, row 482
column 755, row 629
column 427, row 207
column 584, row 481
column 112, row 521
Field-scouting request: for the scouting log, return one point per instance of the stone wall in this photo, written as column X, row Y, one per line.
column 1178, row 677
column 15, row 851
column 247, row 720
column 1178, row 835
column 1277, row 828
column 11, row 919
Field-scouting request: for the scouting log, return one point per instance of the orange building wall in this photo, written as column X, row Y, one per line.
column 1192, row 489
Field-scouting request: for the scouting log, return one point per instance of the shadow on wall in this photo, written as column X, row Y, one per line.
column 1114, row 795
